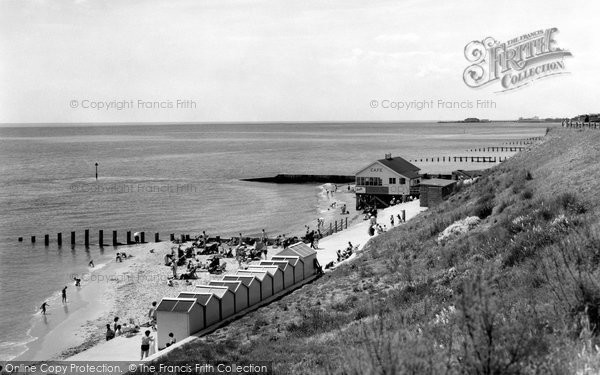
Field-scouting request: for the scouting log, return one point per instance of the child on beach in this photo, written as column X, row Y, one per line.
column 91, row 264
column 146, row 340
column 110, row 334
column 172, row 340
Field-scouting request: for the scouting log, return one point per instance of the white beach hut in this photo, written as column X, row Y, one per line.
column 285, row 267
column 239, row 290
column 265, row 279
column 224, row 295
column 295, row 262
column 275, row 272
column 305, row 253
column 210, row 306
column 251, row 282
column 181, row 316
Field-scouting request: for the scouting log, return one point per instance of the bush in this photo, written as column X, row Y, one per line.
column 570, row 203
column 527, row 194
column 484, row 206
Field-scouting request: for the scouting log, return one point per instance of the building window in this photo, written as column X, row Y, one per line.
column 369, row 181
column 402, row 181
column 392, row 180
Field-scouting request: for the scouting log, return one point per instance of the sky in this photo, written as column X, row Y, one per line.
column 66, row 61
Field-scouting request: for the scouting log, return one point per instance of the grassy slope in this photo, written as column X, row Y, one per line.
column 517, row 294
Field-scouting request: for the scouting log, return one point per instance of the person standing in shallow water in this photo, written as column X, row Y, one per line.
column 64, row 295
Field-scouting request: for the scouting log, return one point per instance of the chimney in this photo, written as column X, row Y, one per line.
column 388, row 156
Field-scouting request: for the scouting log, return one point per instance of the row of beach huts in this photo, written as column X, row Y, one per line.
column 211, row 305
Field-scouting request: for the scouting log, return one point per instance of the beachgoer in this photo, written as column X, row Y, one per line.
column 264, row 237
column 172, row 340
column 91, row 263
column 152, row 314
column 399, row 218
column 110, row 334
column 43, row 308
column 77, row 281
column 146, row 340
column 115, row 323
column 64, row 295
column 118, row 331
column 119, row 257
column 392, row 220
column 174, row 268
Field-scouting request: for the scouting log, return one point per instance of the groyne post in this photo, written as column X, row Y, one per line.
column 156, row 237
column 101, row 238
column 403, row 215
column 346, row 223
column 142, row 237
column 115, row 242
column 128, row 237
column 72, row 238
column 59, row 239
column 172, row 237
column 86, row 237
column 330, row 229
column 20, row 239
column 46, row 239
column 32, row 239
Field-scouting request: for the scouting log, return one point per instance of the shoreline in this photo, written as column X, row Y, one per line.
column 127, row 289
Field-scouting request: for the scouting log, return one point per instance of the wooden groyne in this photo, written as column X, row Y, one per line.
column 325, row 229
column 451, row 159
column 581, row 125
column 304, row 179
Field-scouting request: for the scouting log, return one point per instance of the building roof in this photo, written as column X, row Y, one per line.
column 176, row 304
column 401, row 166
column 282, row 264
column 437, row 182
column 260, row 274
column 233, row 285
column 298, row 249
column 218, row 291
column 245, row 279
column 261, row 267
column 291, row 259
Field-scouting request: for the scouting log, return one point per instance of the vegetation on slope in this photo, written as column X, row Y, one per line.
column 517, row 293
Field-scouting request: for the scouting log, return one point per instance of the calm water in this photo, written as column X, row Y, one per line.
column 177, row 178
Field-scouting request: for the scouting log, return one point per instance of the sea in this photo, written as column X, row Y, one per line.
column 181, row 178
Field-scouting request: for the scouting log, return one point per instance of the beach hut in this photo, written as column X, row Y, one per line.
column 295, row 262
column 275, row 272
column 435, row 190
column 251, row 282
column 210, row 306
column 224, row 295
column 181, row 316
column 266, row 281
column 305, row 253
column 239, row 290
column 286, row 268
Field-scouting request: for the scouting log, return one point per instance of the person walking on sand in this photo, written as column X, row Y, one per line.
column 43, row 308
column 64, row 295
column 146, row 341
column 392, row 220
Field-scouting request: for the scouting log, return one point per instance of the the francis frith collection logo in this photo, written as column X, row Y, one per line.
column 514, row 63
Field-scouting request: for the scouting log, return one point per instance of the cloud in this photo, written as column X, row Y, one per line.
column 398, row 38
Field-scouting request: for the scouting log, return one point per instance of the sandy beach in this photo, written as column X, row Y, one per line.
column 126, row 289
column 132, row 296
